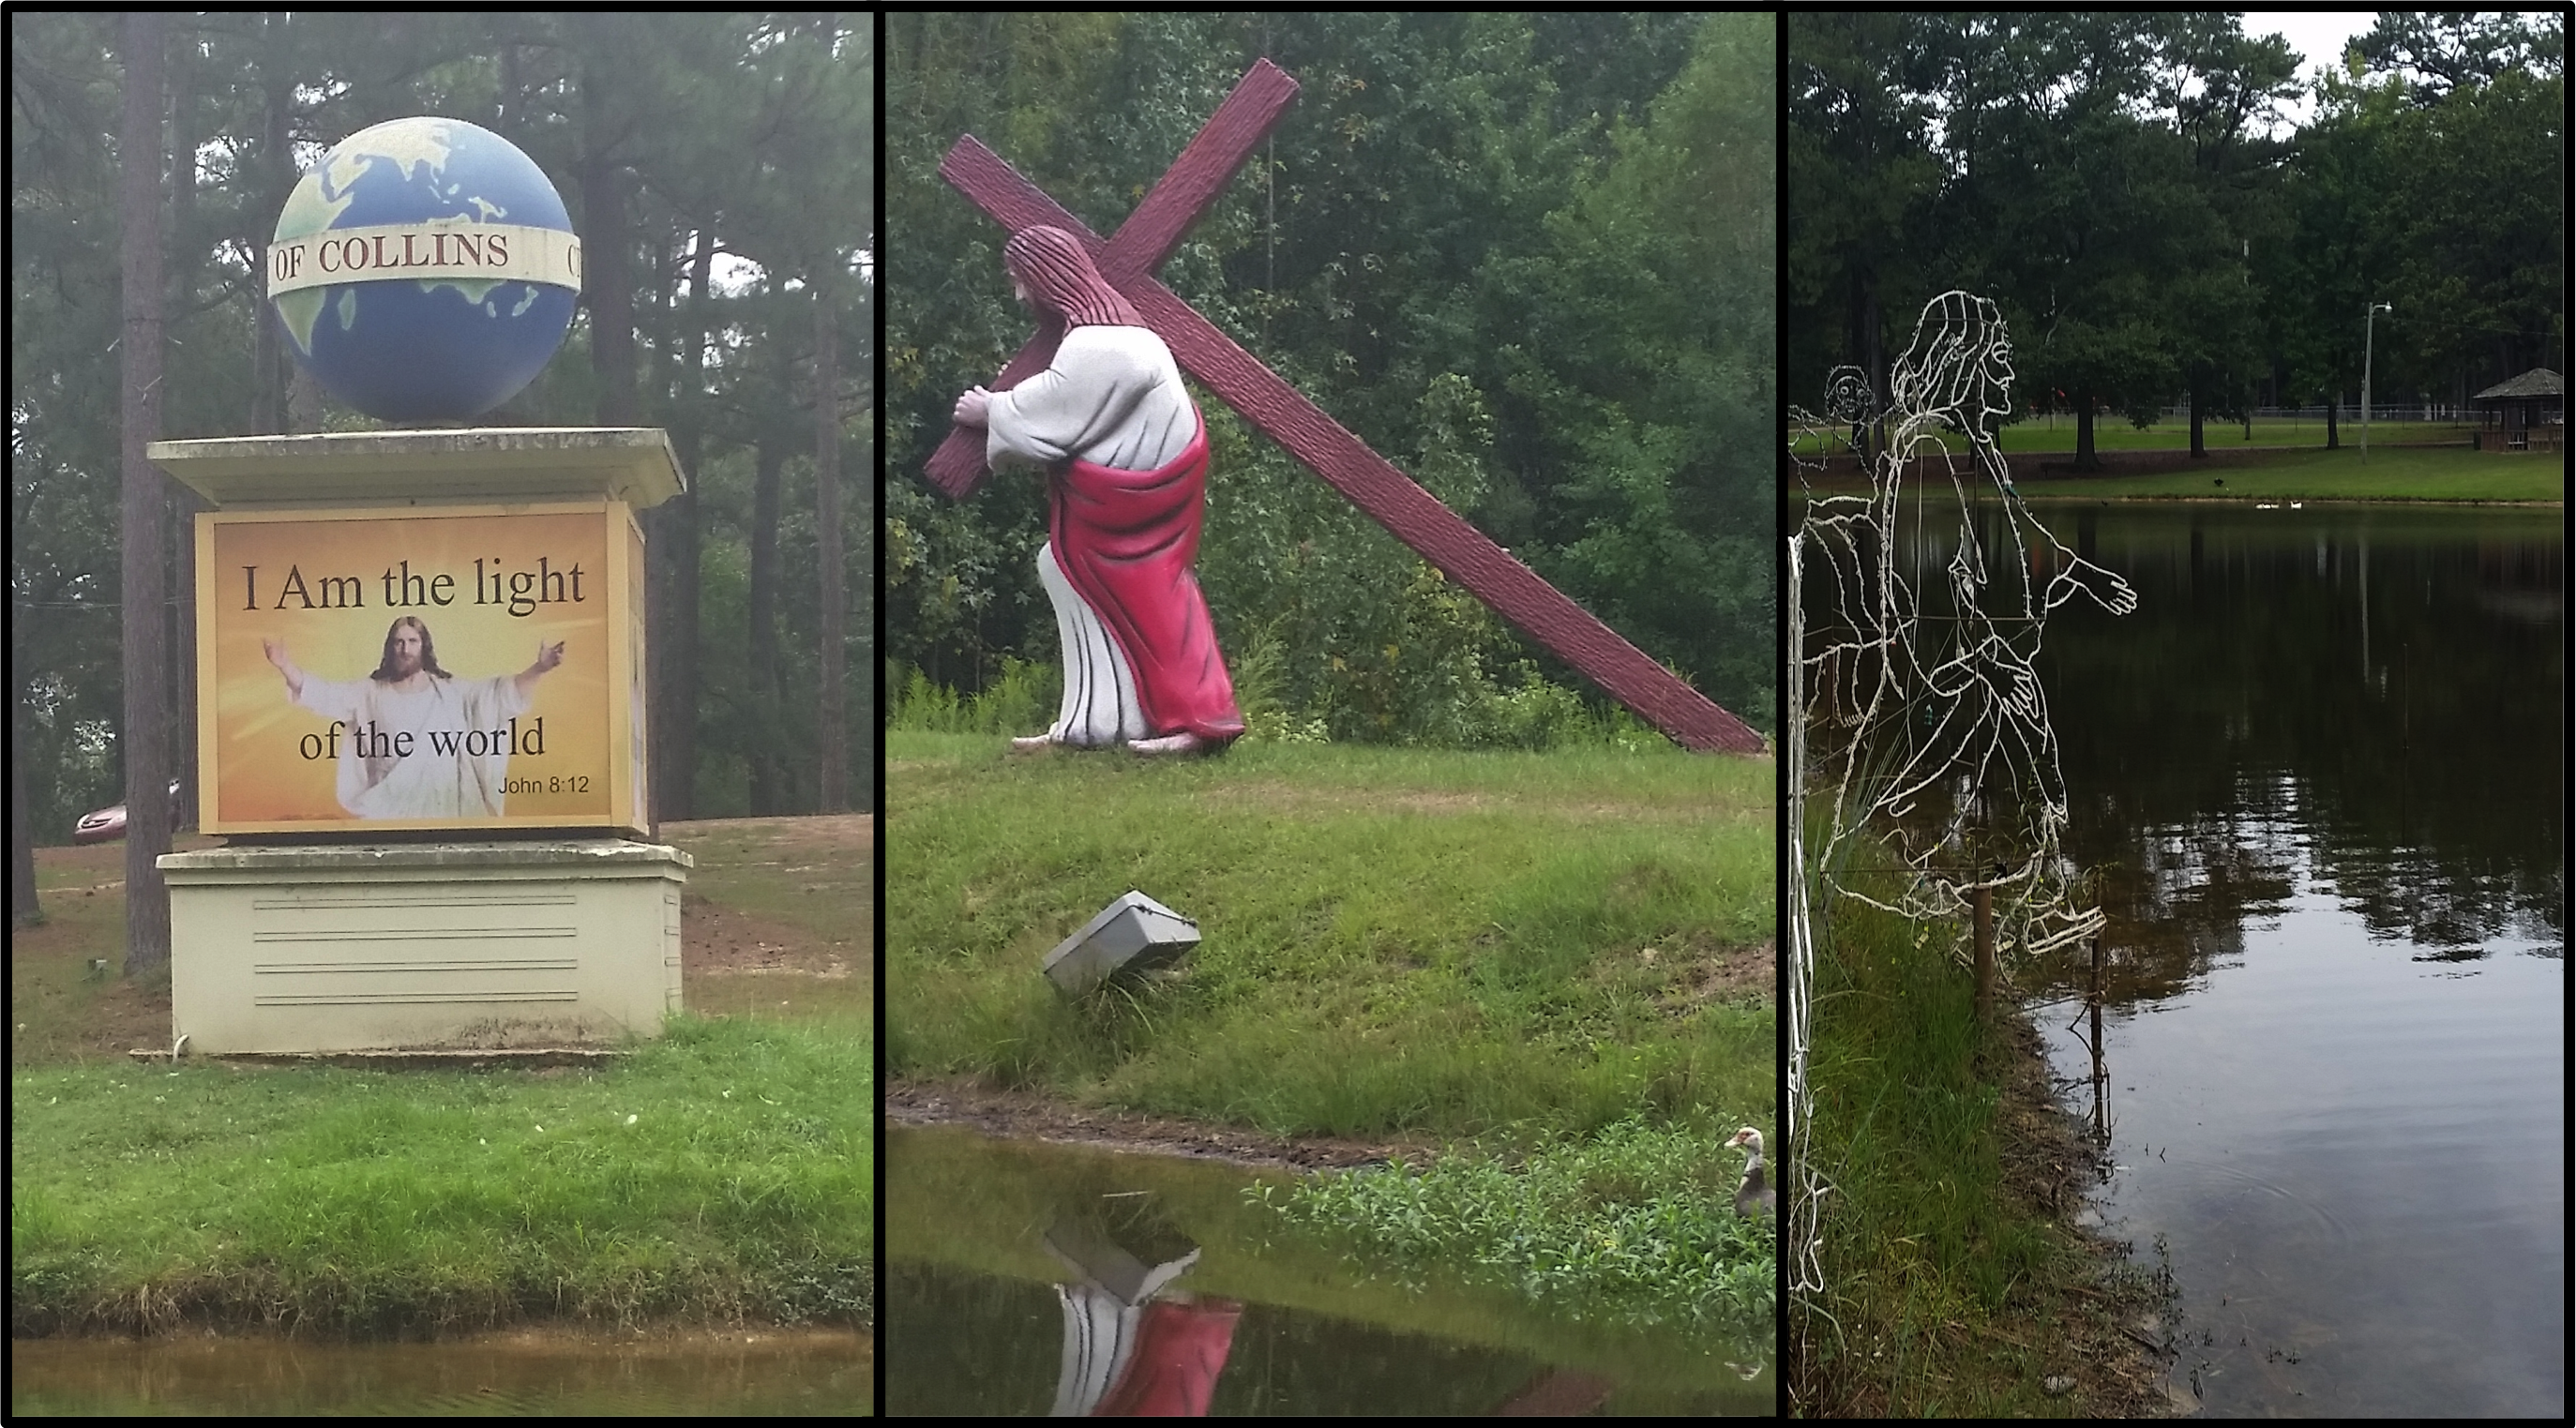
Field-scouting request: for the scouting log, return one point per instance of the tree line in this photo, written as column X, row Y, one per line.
column 2127, row 186
column 1527, row 258
column 720, row 171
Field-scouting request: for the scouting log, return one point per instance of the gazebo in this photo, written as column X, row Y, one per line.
column 2528, row 413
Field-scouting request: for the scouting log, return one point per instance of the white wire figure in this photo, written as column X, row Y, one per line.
column 1960, row 716
column 1989, row 717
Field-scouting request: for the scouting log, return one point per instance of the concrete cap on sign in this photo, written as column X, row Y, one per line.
column 1130, row 935
column 445, row 465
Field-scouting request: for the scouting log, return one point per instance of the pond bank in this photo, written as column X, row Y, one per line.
column 720, row 1175
column 1960, row 1280
column 2413, row 474
column 1031, row 1116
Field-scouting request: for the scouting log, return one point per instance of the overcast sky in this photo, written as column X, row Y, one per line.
column 2319, row 37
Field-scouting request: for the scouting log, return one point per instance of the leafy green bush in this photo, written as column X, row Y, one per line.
column 1021, row 701
column 1637, row 1224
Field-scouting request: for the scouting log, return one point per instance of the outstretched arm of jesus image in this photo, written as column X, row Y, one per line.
column 276, row 651
column 548, row 656
column 2106, row 587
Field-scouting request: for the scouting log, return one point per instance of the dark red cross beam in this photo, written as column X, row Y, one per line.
column 1413, row 515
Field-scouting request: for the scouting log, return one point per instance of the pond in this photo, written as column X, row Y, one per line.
column 545, row 1372
column 2323, row 771
column 1028, row 1279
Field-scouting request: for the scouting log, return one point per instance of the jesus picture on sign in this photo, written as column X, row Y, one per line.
column 1126, row 459
column 412, row 740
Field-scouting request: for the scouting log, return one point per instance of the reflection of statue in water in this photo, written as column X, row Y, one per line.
column 1134, row 1345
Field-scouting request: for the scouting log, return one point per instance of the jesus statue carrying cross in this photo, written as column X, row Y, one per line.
column 1106, row 414
column 1126, row 458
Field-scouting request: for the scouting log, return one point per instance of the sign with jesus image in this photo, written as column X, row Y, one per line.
column 452, row 667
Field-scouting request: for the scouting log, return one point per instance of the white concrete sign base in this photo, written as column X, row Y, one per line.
column 460, row 946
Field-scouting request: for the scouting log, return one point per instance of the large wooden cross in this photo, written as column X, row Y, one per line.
column 1413, row 515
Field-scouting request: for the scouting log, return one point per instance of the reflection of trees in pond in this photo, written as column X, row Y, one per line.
column 2385, row 689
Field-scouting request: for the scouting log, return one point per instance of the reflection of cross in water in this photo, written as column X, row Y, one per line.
column 1413, row 515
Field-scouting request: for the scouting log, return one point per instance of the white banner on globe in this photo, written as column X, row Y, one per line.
column 429, row 252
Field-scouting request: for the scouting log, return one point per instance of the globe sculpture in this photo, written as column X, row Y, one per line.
column 425, row 270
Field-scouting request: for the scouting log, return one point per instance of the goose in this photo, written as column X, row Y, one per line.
column 1753, row 1199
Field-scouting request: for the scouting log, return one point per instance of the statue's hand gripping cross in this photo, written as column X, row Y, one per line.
column 1460, row 551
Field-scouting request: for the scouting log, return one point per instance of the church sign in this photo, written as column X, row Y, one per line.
column 462, row 667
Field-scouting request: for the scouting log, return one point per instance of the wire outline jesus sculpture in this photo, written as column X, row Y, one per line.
column 1967, row 723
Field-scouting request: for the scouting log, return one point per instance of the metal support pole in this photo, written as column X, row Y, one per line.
column 2101, row 1113
column 1985, row 906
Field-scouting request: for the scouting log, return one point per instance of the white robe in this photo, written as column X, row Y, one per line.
column 1112, row 397
column 439, row 778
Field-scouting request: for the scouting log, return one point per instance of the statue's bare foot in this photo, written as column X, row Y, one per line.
column 1033, row 744
column 1183, row 742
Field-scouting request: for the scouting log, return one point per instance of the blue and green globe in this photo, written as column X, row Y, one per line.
column 425, row 270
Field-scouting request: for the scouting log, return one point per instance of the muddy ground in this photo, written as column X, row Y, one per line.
column 1023, row 1115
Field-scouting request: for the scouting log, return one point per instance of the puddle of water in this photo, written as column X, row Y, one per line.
column 2324, row 764
column 785, row 1373
column 1035, row 1279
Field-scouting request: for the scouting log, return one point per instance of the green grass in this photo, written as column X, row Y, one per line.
column 1452, row 944
column 2412, row 473
column 724, row 1171
column 2418, row 473
column 1521, row 951
column 1635, row 1225
column 370, row 1202
column 2117, row 434
column 1947, row 1288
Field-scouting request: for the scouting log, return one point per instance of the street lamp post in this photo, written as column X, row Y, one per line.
column 2369, row 311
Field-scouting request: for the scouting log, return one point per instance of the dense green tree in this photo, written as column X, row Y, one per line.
column 2126, row 187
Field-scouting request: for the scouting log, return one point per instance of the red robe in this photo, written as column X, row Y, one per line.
column 1180, row 1350
column 1127, row 541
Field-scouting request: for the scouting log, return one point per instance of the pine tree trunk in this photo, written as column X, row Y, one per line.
column 145, row 504
column 768, row 793
column 831, row 733
column 673, row 555
column 23, row 904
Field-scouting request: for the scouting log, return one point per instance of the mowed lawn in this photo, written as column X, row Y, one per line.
column 2406, row 473
column 2390, row 473
column 2116, row 433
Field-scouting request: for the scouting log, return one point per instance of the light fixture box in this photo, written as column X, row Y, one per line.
column 1133, row 934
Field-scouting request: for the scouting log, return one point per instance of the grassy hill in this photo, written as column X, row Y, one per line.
column 1393, row 941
